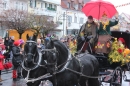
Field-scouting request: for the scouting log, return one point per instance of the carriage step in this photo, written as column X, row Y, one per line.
column 127, row 80
column 116, row 83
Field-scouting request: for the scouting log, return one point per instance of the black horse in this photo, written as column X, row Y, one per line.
column 64, row 66
column 33, row 64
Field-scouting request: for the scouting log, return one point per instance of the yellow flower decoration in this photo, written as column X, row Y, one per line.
column 105, row 24
column 89, row 25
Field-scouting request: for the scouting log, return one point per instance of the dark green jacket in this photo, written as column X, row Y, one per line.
column 101, row 31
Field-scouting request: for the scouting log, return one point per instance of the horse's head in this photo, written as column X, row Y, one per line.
column 56, row 54
column 51, row 56
column 30, row 49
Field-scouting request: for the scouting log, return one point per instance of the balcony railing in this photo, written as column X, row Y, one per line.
column 52, row 9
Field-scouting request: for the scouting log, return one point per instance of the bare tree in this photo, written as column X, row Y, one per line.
column 16, row 19
column 41, row 24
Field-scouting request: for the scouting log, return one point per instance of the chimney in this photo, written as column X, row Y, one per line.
column 72, row 4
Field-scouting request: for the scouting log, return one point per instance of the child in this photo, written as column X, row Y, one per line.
column 16, row 60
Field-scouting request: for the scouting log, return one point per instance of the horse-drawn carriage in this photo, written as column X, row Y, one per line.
column 59, row 66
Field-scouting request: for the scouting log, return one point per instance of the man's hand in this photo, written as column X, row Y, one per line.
column 20, row 52
column 39, row 46
column 82, row 38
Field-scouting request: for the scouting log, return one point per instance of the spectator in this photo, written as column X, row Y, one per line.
column 40, row 45
column 6, row 43
column 16, row 60
column 1, row 60
column 11, row 41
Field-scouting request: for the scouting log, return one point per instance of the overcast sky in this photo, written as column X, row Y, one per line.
column 125, row 9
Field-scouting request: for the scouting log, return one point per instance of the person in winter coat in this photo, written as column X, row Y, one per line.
column 17, row 59
column 1, row 60
column 6, row 43
column 39, row 45
column 11, row 41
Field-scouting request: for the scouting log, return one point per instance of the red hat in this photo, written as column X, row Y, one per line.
column 17, row 43
column 122, row 40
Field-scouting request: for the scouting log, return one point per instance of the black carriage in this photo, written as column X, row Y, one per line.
column 114, row 77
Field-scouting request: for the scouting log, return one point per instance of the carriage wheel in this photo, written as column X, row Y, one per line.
column 116, row 77
column 128, row 66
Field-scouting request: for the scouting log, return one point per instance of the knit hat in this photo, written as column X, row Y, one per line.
column 90, row 17
column 17, row 43
column 21, row 41
column 122, row 40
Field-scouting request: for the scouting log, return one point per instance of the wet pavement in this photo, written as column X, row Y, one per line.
column 7, row 80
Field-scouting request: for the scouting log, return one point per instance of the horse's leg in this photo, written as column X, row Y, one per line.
column 30, row 84
column 93, row 82
column 82, row 81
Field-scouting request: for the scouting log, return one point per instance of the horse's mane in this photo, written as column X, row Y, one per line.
column 62, row 49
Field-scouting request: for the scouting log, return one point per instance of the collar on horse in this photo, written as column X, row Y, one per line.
column 37, row 65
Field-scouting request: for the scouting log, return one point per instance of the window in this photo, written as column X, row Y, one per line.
column 76, row 7
column 81, row 20
column 35, row 4
column 69, row 31
column 68, row 5
column 75, row 19
column 42, row 5
column 45, row 5
column 50, row 5
column 70, row 19
column 4, row 5
column 16, row 5
column 55, row 7
column 31, row 4
column 22, row 6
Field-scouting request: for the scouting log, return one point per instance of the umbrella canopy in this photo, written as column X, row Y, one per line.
column 97, row 8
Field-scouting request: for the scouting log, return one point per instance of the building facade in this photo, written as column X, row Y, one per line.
column 70, row 17
column 43, row 7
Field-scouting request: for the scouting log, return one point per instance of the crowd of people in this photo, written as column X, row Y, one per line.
column 12, row 51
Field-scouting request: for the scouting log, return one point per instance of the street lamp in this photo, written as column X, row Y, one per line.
column 65, row 17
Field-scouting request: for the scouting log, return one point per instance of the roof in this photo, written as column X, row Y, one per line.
column 127, row 15
column 64, row 4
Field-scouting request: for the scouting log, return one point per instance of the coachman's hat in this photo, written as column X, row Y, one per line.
column 90, row 17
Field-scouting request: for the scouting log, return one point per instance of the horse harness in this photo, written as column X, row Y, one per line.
column 38, row 64
column 66, row 63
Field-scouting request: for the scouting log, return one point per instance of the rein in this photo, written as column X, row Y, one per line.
column 27, row 79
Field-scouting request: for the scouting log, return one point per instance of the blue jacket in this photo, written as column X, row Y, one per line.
column 41, row 47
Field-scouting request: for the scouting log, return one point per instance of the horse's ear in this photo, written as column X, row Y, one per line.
column 52, row 43
column 27, row 36
column 34, row 37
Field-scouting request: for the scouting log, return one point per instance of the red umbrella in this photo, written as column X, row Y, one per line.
column 97, row 8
